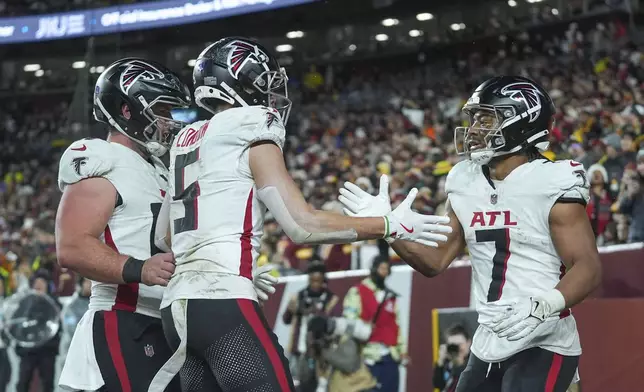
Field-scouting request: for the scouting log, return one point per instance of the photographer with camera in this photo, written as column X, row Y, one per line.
column 304, row 348
column 375, row 304
column 452, row 358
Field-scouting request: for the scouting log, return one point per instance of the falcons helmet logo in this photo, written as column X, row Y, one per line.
column 526, row 93
column 240, row 53
column 135, row 70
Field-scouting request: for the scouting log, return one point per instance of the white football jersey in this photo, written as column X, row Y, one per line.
column 130, row 231
column 216, row 218
column 507, row 233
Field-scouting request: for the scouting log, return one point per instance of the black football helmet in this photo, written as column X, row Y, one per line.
column 240, row 72
column 507, row 114
column 136, row 97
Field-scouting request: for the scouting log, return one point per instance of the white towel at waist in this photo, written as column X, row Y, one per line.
column 81, row 371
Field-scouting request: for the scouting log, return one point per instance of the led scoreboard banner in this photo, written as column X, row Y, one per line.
column 140, row 16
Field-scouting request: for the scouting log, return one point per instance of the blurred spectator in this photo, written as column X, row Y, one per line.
column 372, row 302
column 73, row 312
column 599, row 205
column 632, row 199
column 5, row 365
column 42, row 358
column 315, row 300
column 452, row 358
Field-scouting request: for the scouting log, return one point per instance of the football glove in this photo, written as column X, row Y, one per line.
column 522, row 316
column 264, row 282
column 401, row 223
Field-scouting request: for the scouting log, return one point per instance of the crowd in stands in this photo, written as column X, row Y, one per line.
column 356, row 122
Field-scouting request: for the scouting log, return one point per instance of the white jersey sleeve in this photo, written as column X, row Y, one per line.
column 84, row 158
column 258, row 123
column 567, row 181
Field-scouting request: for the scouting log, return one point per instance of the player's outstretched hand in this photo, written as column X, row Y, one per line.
column 359, row 203
column 405, row 224
column 158, row 269
column 264, row 282
column 517, row 318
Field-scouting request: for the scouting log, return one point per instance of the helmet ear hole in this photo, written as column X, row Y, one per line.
column 125, row 111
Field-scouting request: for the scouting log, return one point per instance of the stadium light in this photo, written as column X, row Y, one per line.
column 424, row 16
column 31, row 67
column 534, row 1
column 295, row 34
column 78, row 64
column 382, row 37
column 555, row 11
column 390, row 22
column 39, row 73
column 415, row 33
column 457, row 26
column 92, row 69
column 512, row 3
column 100, row 69
column 192, row 62
column 284, row 48
column 352, row 47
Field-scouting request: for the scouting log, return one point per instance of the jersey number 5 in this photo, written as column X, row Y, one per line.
column 188, row 195
column 501, row 239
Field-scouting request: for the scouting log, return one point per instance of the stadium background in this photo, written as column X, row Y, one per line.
column 377, row 87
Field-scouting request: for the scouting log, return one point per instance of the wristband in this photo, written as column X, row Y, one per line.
column 132, row 270
column 386, row 227
column 390, row 240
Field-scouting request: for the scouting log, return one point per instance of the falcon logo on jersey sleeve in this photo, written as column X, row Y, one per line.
column 273, row 119
column 77, row 163
column 240, row 53
column 526, row 93
column 135, row 70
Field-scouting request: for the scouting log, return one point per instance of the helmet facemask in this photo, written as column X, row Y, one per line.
column 483, row 139
column 162, row 128
column 274, row 85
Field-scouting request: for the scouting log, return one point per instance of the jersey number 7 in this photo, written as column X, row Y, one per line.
column 501, row 239
column 189, row 195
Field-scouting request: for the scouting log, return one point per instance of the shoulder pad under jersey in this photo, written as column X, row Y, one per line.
column 460, row 175
column 564, row 180
column 83, row 159
column 252, row 124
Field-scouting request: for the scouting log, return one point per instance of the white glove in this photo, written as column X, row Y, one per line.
column 359, row 203
column 402, row 223
column 522, row 316
column 264, row 281
column 405, row 224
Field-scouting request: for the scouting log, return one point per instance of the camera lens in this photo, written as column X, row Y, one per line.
column 453, row 348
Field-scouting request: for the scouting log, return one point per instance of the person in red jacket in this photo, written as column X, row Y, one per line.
column 372, row 302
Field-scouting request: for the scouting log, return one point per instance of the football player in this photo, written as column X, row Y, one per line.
column 532, row 249
column 224, row 174
column 112, row 192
